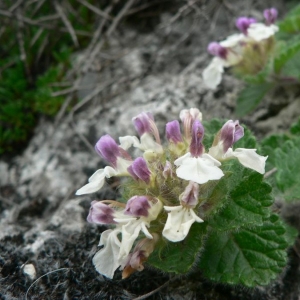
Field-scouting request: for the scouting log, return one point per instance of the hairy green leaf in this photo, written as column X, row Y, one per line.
column 247, row 204
column 250, row 97
column 290, row 24
column 179, row 257
column 286, row 53
column 287, row 163
column 251, row 256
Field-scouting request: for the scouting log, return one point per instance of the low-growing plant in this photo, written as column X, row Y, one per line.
column 264, row 55
column 198, row 201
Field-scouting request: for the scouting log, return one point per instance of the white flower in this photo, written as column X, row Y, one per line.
column 106, row 260
column 179, row 222
column 97, row 180
column 233, row 40
column 259, row 31
column 248, row 158
column 198, row 169
column 115, row 252
column 212, row 74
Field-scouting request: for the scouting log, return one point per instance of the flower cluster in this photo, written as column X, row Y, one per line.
column 248, row 51
column 162, row 191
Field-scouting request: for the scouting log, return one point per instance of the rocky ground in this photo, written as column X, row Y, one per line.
column 152, row 62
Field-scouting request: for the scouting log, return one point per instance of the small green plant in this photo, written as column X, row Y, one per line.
column 200, row 201
column 266, row 56
column 35, row 53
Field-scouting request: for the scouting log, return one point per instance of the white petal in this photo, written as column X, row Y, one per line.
column 232, row 40
column 249, row 158
column 96, row 182
column 146, row 231
column 259, row 31
column 217, row 151
column 130, row 232
column 122, row 165
column 106, row 260
column 179, row 222
column 212, row 74
column 199, row 169
column 127, row 141
column 97, row 176
column 148, row 143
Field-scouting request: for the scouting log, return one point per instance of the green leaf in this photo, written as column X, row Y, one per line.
column 290, row 24
column 295, row 128
column 269, row 145
column 286, row 53
column 250, row 97
column 250, row 256
column 287, row 163
column 179, row 257
column 248, row 203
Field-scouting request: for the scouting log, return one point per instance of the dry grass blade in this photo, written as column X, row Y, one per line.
column 95, row 9
column 20, row 38
column 39, row 24
column 67, row 23
column 119, row 16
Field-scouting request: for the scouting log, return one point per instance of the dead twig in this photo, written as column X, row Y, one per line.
column 119, row 16
column 15, row 6
column 269, row 173
column 153, row 292
column 67, row 23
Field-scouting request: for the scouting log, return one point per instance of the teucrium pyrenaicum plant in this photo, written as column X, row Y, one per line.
column 197, row 200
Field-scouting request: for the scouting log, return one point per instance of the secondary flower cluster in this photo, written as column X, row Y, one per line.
column 162, row 194
column 248, row 51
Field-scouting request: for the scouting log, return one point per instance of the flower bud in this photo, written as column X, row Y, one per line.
column 216, row 49
column 270, row 15
column 231, row 132
column 243, row 23
column 188, row 116
column 167, row 172
column 144, row 123
column 173, row 132
column 137, row 206
column 139, row 255
column 196, row 146
column 189, row 198
column 139, row 170
column 108, row 149
column 101, row 213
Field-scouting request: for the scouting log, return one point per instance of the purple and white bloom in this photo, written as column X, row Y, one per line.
column 129, row 223
column 181, row 218
column 227, row 54
column 168, row 171
column 173, row 132
column 132, row 223
column 222, row 149
column 137, row 206
column 139, row 170
column 101, row 213
column 114, row 154
column 149, row 141
column 196, row 165
column 260, row 31
column 187, row 117
column 243, row 23
column 270, row 15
